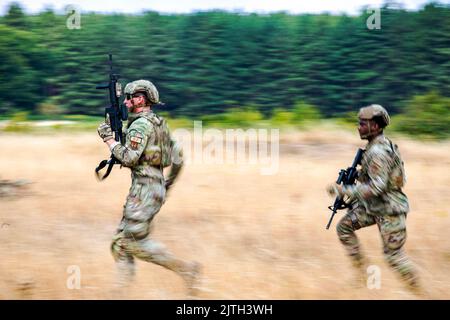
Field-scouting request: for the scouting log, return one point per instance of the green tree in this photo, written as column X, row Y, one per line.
column 427, row 115
column 15, row 16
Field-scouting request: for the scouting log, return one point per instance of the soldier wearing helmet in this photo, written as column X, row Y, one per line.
column 377, row 198
column 370, row 116
column 148, row 149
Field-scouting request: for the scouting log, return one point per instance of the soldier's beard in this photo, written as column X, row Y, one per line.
column 134, row 112
column 136, row 108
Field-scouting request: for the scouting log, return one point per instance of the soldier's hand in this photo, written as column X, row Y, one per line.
column 335, row 190
column 105, row 132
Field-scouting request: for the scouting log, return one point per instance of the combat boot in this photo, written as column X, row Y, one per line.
column 417, row 289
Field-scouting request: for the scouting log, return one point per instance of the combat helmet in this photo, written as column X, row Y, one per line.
column 375, row 111
column 144, row 86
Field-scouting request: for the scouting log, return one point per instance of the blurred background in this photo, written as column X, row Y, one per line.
column 305, row 69
column 231, row 66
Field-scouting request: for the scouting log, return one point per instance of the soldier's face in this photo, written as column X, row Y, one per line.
column 128, row 101
column 367, row 129
column 133, row 102
column 364, row 128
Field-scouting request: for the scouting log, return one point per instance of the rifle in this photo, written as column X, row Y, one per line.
column 346, row 177
column 116, row 113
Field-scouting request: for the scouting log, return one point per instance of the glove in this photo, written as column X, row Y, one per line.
column 335, row 190
column 105, row 132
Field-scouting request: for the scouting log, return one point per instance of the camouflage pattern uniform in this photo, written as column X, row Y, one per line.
column 378, row 199
column 147, row 150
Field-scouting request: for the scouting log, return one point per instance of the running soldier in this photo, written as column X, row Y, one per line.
column 148, row 149
column 377, row 198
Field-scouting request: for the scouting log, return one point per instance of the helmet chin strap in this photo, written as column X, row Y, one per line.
column 369, row 134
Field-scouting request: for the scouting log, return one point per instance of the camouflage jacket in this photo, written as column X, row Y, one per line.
column 149, row 147
column 380, row 180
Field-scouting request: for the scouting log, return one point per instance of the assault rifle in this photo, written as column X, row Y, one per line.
column 346, row 177
column 116, row 113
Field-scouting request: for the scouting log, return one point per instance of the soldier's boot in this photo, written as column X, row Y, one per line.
column 414, row 286
column 398, row 260
column 190, row 272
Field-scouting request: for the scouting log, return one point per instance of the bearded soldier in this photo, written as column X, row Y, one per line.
column 377, row 198
column 147, row 150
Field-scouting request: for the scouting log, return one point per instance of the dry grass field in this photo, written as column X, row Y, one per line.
column 257, row 236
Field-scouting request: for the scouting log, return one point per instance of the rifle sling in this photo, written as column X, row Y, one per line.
column 111, row 162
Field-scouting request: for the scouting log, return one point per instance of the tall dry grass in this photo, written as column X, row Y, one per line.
column 257, row 237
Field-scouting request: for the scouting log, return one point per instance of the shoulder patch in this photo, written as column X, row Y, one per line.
column 136, row 139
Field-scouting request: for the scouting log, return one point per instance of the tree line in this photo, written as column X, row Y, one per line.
column 212, row 62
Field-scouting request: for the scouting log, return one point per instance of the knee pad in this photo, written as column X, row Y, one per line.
column 118, row 246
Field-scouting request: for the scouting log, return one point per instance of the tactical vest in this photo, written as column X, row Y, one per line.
column 160, row 153
column 397, row 176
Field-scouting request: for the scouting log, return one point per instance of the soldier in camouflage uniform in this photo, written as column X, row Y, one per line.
column 147, row 150
column 377, row 198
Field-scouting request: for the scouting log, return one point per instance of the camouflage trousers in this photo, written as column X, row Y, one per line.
column 132, row 239
column 393, row 234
